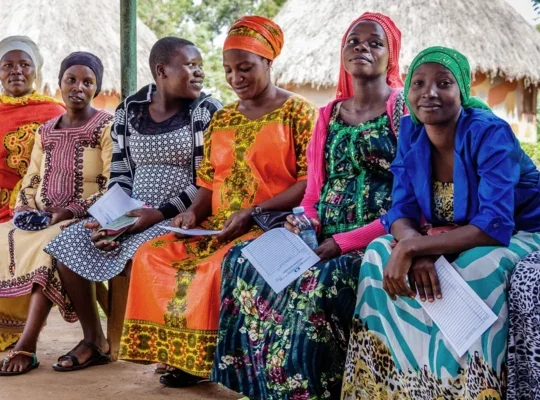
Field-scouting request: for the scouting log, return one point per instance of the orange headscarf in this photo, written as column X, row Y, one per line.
column 258, row 35
column 393, row 34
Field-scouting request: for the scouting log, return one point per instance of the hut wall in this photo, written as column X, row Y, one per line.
column 511, row 101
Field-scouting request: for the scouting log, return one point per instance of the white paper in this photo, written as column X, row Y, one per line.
column 461, row 315
column 112, row 205
column 280, row 257
column 190, row 232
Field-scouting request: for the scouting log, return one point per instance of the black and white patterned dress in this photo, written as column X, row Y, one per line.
column 163, row 168
column 524, row 335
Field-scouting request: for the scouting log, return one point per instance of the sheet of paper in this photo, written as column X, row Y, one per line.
column 191, row 232
column 280, row 257
column 112, row 205
column 461, row 315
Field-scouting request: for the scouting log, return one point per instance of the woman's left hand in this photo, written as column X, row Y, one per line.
column 236, row 225
column 396, row 270
column 328, row 250
column 59, row 214
column 147, row 217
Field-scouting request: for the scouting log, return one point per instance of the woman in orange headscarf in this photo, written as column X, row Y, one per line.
column 173, row 304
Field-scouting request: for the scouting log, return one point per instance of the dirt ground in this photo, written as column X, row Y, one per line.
column 118, row 381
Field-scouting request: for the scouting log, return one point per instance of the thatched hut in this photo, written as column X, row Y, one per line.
column 60, row 27
column 503, row 49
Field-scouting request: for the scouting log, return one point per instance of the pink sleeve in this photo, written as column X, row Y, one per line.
column 311, row 196
column 360, row 237
column 315, row 161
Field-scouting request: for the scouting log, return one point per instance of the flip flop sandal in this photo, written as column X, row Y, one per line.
column 12, row 354
column 97, row 358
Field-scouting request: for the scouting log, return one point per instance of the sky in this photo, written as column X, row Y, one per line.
column 525, row 8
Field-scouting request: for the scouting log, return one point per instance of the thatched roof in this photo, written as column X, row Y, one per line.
column 495, row 37
column 60, row 27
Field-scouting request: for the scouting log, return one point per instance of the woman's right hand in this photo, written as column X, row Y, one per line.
column 185, row 220
column 97, row 238
column 292, row 224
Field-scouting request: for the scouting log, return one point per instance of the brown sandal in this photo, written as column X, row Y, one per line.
column 14, row 353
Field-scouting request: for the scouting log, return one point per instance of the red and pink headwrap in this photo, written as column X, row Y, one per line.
column 393, row 34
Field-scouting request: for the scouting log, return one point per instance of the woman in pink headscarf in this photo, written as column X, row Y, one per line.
column 293, row 345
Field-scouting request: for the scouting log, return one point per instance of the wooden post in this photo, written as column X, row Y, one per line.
column 128, row 46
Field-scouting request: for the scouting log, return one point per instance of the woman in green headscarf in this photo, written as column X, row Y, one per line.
column 461, row 171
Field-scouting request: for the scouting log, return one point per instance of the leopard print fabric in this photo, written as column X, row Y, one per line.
column 376, row 376
column 524, row 336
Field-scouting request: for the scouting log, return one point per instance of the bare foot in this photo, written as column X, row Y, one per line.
column 83, row 353
column 20, row 362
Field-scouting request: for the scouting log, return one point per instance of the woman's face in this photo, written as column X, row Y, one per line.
column 17, row 73
column 434, row 94
column 246, row 73
column 183, row 75
column 78, row 87
column 366, row 51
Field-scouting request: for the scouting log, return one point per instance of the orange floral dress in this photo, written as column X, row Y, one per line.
column 174, row 296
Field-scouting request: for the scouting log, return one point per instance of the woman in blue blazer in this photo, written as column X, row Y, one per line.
column 459, row 170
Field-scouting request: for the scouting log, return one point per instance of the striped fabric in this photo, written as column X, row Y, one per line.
column 123, row 167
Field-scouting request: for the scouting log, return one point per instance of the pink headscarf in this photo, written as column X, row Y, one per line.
column 393, row 34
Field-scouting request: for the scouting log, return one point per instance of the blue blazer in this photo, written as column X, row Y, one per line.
column 496, row 185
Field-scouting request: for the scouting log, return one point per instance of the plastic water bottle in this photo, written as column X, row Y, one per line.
column 307, row 231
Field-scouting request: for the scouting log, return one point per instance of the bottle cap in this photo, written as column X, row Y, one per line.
column 298, row 210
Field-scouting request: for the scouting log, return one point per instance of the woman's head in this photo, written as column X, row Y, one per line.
column 370, row 49
column 176, row 65
column 438, row 85
column 251, row 46
column 80, row 79
column 20, row 65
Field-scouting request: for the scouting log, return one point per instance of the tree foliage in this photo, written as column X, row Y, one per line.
column 203, row 22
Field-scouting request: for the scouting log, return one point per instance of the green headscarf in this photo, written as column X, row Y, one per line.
column 457, row 63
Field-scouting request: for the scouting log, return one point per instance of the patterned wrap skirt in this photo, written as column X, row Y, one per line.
column 524, row 341
column 290, row 345
column 396, row 351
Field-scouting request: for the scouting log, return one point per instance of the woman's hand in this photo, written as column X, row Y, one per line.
column 292, row 224
column 147, row 217
column 236, row 225
column 59, row 214
column 328, row 250
column 185, row 220
column 423, row 278
column 397, row 268
column 97, row 238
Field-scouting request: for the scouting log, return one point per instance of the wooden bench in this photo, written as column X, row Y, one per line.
column 113, row 302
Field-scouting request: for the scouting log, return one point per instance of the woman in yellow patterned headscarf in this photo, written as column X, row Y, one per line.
column 174, row 298
column 22, row 110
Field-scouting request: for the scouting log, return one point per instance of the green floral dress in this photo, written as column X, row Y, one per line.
column 293, row 345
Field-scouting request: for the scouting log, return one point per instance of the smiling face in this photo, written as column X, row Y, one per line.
column 78, row 86
column 246, row 73
column 434, row 94
column 17, row 73
column 182, row 77
column 366, row 51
